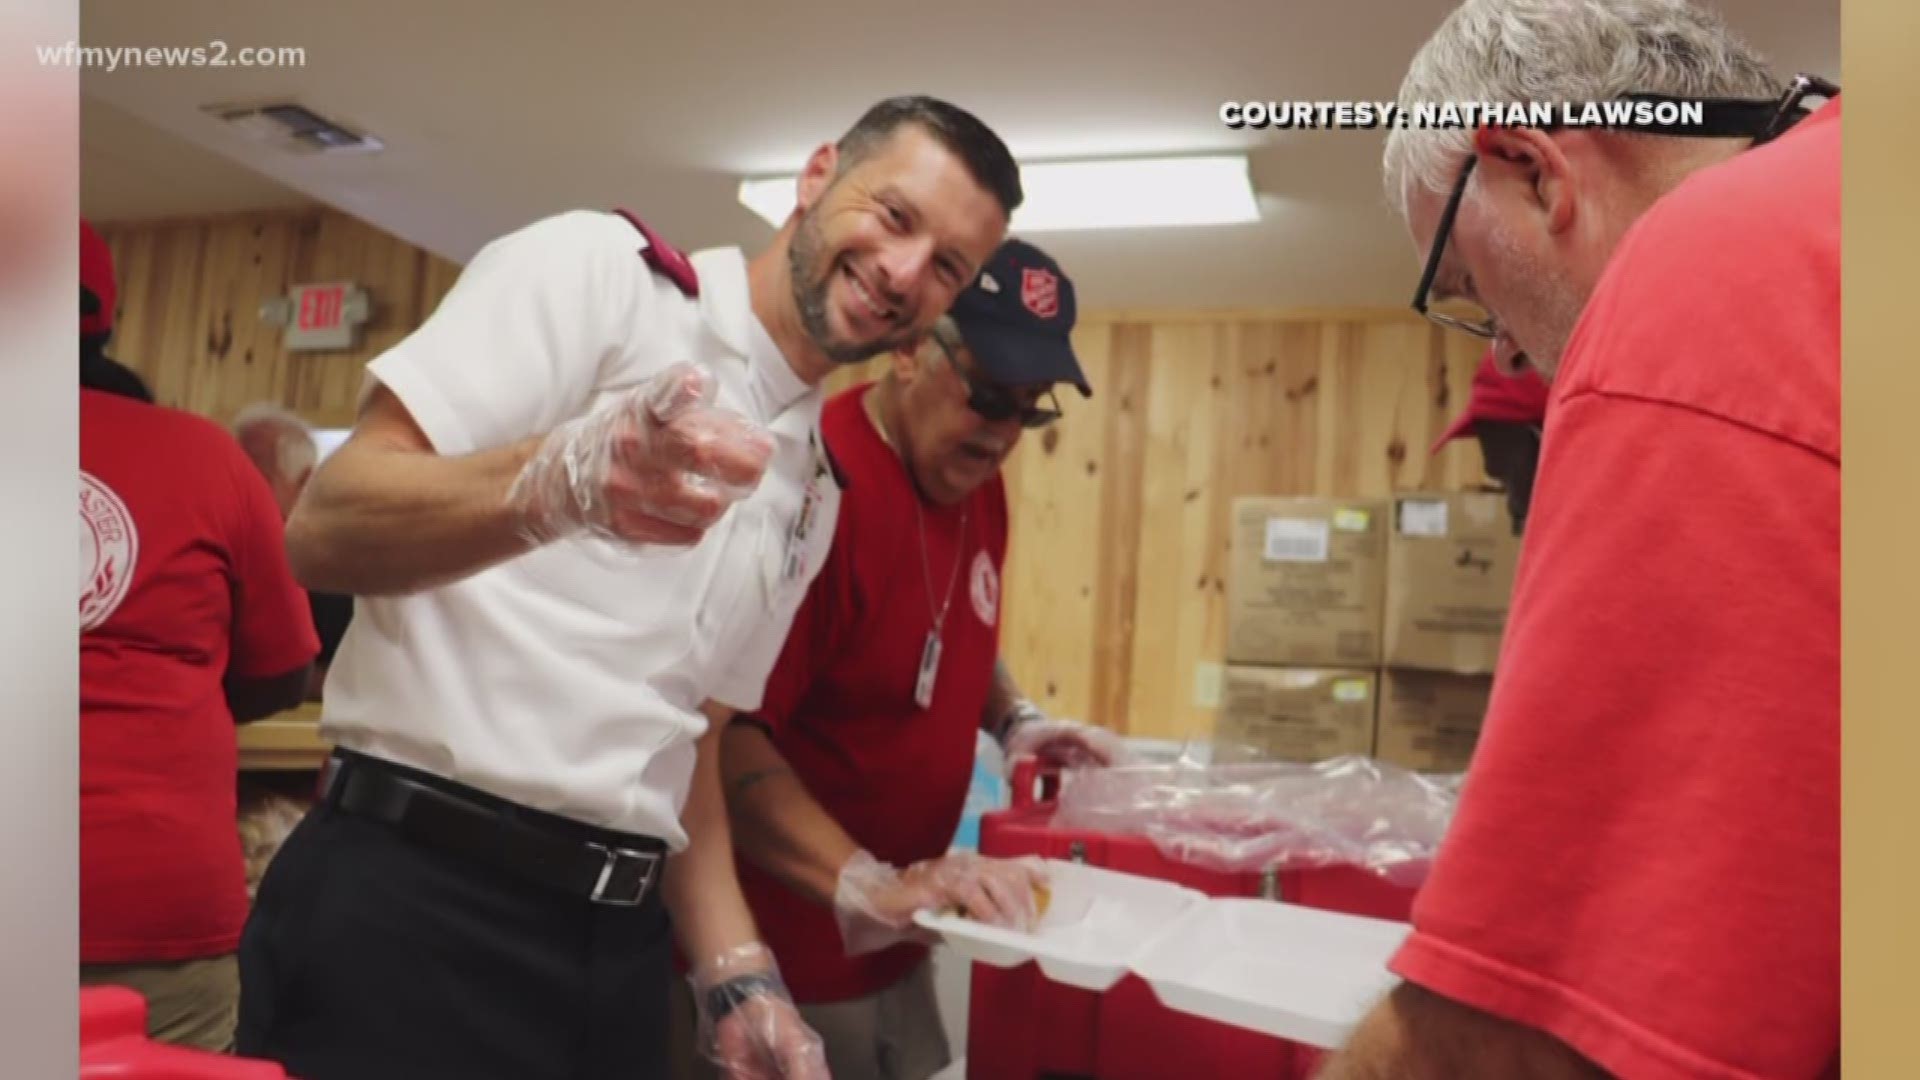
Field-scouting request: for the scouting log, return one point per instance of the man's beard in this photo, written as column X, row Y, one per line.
column 811, row 272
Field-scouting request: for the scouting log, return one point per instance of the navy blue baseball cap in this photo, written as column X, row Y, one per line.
column 1017, row 319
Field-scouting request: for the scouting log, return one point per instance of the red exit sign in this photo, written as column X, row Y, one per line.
column 322, row 307
column 322, row 316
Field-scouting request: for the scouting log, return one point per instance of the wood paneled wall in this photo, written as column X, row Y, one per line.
column 190, row 296
column 1115, row 589
column 1116, row 586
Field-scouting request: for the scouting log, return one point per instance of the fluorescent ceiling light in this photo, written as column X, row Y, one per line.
column 1135, row 193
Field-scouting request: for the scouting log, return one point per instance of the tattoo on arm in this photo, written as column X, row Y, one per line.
column 748, row 779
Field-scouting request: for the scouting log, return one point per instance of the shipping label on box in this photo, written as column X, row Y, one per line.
column 1306, row 581
column 1297, row 714
column 1450, row 567
column 1430, row 720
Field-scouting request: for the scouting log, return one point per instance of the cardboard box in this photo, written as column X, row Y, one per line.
column 1430, row 720
column 1306, row 582
column 1450, row 564
column 1297, row 714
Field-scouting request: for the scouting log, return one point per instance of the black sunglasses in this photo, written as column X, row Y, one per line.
column 1762, row 121
column 994, row 402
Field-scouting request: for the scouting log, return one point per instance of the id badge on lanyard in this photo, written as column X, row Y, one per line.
column 808, row 518
column 929, row 670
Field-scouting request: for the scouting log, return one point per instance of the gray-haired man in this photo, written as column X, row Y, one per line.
column 1642, row 878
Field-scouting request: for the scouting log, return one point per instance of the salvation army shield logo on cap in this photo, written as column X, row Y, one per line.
column 109, row 546
column 1040, row 291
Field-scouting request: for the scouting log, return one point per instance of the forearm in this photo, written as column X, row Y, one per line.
column 1002, row 696
column 777, row 823
column 378, row 519
column 702, row 892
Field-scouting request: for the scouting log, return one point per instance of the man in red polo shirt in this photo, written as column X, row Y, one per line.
column 846, row 788
column 190, row 621
column 1506, row 414
column 1642, row 878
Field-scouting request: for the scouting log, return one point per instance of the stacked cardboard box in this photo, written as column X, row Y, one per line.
column 1306, row 582
column 1365, row 626
column 1297, row 714
column 1450, row 568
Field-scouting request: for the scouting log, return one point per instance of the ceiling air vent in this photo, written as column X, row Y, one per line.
column 293, row 127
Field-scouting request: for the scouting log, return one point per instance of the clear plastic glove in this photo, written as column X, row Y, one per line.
column 875, row 903
column 749, row 1026
column 1061, row 744
column 658, row 467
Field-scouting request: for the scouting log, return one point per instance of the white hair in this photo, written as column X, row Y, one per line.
column 1561, row 50
column 293, row 446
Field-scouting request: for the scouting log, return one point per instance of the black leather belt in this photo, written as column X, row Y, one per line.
column 597, row 865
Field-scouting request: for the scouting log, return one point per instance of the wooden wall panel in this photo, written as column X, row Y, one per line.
column 191, row 293
column 1115, row 589
column 1193, row 413
column 1054, row 491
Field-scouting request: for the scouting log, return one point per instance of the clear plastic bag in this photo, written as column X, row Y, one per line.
column 1259, row 816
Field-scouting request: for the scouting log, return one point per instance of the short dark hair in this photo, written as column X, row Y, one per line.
column 972, row 141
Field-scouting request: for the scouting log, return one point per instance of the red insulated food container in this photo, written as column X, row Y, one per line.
column 1022, row 1026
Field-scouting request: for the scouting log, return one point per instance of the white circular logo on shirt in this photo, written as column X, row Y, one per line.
column 109, row 544
column 984, row 582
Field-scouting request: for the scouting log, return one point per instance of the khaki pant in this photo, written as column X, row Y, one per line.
column 895, row 1034
column 192, row 1003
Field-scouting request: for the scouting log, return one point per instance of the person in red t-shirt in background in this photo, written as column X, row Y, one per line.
column 1642, row 877
column 846, row 788
column 190, row 621
column 1506, row 414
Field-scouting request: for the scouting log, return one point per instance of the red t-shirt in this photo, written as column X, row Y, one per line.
column 184, row 579
column 1645, row 862
column 840, row 702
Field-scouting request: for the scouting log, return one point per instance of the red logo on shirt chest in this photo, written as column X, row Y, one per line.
column 109, row 546
column 983, row 585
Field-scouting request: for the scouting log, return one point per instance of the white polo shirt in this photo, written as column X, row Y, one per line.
column 570, row 679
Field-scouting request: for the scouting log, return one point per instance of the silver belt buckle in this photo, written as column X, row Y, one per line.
column 613, row 857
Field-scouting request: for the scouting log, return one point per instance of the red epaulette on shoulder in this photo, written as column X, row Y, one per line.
column 666, row 260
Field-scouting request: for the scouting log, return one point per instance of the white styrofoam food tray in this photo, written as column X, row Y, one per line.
column 1294, row 972
column 1097, row 922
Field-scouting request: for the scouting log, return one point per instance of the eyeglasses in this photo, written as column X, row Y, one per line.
column 1458, row 313
column 994, row 402
column 1762, row 121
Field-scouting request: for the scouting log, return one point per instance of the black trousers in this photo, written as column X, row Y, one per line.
column 370, row 957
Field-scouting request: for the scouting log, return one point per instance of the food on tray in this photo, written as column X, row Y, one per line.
column 1042, row 898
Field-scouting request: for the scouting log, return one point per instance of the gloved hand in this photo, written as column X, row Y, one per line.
column 749, row 1026
column 1063, row 744
column 659, row 466
column 875, row 903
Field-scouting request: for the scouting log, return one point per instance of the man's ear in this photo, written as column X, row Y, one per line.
column 1532, row 158
column 817, row 177
column 905, row 359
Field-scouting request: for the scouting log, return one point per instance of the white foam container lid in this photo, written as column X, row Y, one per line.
column 1098, row 922
column 1294, row 972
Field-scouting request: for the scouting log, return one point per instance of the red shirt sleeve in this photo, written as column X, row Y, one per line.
column 272, row 622
column 1645, row 860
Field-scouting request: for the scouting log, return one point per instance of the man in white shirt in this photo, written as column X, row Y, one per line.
column 579, row 508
